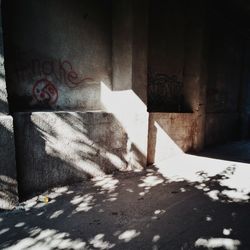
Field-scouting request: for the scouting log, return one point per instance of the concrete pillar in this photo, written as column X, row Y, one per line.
column 195, row 70
column 122, row 51
column 8, row 176
column 127, row 101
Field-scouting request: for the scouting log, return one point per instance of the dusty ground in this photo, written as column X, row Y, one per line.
column 187, row 202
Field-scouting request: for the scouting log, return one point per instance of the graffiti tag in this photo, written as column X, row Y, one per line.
column 44, row 91
column 61, row 71
column 164, row 92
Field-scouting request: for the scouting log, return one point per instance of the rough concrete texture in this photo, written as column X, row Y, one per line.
column 8, row 182
column 57, row 148
column 221, row 128
column 170, row 134
column 184, row 203
column 168, row 56
column 4, row 109
column 57, row 62
column 122, row 44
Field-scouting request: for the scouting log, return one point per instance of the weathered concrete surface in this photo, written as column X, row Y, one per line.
column 221, row 128
column 187, row 203
column 66, row 43
column 57, row 148
column 132, row 114
column 4, row 108
column 166, row 56
column 8, row 182
column 170, row 134
column 122, row 44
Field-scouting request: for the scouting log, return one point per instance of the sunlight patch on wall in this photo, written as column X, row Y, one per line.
column 131, row 112
column 165, row 147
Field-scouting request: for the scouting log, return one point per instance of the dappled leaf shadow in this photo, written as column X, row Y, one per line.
column 146, row 210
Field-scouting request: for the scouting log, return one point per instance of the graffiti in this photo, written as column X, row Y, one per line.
column 164, row 92
column 61, row 71
column 44, row 91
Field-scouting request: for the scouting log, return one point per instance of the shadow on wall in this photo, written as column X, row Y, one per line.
column 8, row 183
column 154, row 209
column 58, row 148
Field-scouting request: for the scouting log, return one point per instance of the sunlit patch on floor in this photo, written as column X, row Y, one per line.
column 220, row 180
column 48, row 239
column 128, row 235
column 106, row 183
column 156, row 238
column 213, row 243
column 84, row 203
column 99, row 243
column 56, row 214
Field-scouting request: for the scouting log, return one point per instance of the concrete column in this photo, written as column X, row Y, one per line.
column 195, row 70
column 127, row 101
column 122, row 51
column 8, row 177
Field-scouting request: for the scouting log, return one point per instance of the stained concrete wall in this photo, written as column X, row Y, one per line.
column 57, row 53
column 64, row 63
column 225, row 80
column 8, row 174
column 59, row 148
column 177, row 77
column 8, row 181
column 170, row 134
column 124, row 58
column 128, row 100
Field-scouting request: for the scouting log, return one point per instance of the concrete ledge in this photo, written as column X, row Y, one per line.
column 170, row 134
column 8, row 182
column 59, row 148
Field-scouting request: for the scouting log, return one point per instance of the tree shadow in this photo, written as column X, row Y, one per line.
column 146, row 210
column 62, row 148
column 8, row 183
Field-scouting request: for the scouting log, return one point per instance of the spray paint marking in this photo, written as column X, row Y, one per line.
column 44, row 91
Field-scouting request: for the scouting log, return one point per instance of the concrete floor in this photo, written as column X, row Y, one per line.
column 186, row 202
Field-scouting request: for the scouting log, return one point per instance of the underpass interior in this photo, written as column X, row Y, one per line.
column 124, row 124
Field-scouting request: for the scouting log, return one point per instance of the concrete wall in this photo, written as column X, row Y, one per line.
column 58, row 52
column 177, row 77
column 61, row 57
column 59, row 148
column 225, row 82
column 222, row 128
column 170, row 134
column 8, row 181
column 121, row 58
column 166, row 56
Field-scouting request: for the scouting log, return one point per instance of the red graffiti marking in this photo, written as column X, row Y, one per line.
column 61, row 71
column 71, row 78
column 44, row 91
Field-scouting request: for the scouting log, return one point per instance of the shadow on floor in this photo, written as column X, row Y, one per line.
column 187, row 202
column 237, row 151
